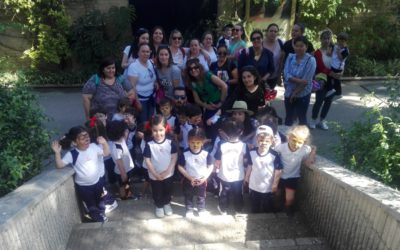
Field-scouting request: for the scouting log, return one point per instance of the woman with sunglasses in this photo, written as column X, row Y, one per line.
column 275, row 45
column 142, row 76
column 168, row 73
column 175, row 45
column 209, row 92
column 258, row 56
column 225, row 69
column 237, row 43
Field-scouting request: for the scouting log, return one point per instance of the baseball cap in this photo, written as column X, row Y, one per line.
column 264, row 129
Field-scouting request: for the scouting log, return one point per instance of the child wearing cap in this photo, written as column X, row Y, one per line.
column 264, row 169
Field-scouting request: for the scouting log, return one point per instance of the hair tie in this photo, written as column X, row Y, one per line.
column 92, row 122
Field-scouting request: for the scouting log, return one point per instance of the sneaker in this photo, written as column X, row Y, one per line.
column 189, row 214
column 313, row 124
column 168, row 210
column 159, row 212
column 203, row 213
column 323, row 125
column 221, row 212
column 330, row 93
column 111, row 207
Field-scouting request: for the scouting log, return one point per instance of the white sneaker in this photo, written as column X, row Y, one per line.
column 330, row 92
column 313, row 124
column 111, row 207
column 168, row 210
column 203, row 213
column 189, row 214
column 159, row 212
column 221, row 212
column 323, row 125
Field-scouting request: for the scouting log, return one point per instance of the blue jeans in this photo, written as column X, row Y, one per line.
column 147, row 112
column 298, row 107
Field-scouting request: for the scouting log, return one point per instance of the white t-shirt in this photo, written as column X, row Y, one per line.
column 130, row 59
column 160, row 155
column 120, row 151
column 292, row 160
column 231, row 155
column 185, row 128
column 196, row 165
column 262, row 170
column 212, row 55
column 179, row 58
column 87, row 168
column 146, row 77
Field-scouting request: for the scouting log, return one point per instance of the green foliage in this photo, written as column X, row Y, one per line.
column 23, row 140
column 361, row 66
column 97, row 35
column 47, row 24
column 372, row 147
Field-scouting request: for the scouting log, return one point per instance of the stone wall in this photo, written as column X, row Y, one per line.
column 349, row 210
column 41, row 213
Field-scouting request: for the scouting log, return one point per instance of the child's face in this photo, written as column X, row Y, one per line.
column 102, row 117
column 182, row 119
column 130, row 119
column 228, row 32
column 264, row 142
column 166, row 110
column 342, row 43
column 195, row 120
column 195, row 144
column 239, row 116
column 158, row 132
column 295, row 142
column 82, row 141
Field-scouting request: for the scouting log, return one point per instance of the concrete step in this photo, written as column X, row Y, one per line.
column 250, row 230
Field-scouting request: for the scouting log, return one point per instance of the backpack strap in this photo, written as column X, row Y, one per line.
column 74, row 154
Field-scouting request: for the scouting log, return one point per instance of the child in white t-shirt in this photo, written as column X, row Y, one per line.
column 85, row 158
column 230, row 160
column 117, row 132
column 195, row 164
column 293, row 154
column 263, row 171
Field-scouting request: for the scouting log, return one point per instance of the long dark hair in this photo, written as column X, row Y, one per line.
column 170, row 60
column 105, row 63
column 197, row 63
column 135, row 44
column 253, row 71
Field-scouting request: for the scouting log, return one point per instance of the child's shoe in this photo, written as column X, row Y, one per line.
column 159, row 212
column 111, row 207
column 168, row 209
column 189, row 214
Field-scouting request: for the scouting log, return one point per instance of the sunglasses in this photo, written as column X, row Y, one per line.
column 194, row 68
column 176, row 38
column 179, row 97
column 222, row 53
column 257, row 38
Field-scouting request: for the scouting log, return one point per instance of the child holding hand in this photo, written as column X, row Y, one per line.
column 195, row 165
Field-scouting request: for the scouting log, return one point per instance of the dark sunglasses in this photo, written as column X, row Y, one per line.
column 179, row 97
column 257, row 38
column 194, row 68
column 176, row 38
column 222, row 53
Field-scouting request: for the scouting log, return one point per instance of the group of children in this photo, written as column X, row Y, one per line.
column 258, row 157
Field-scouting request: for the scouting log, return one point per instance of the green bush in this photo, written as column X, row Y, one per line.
column 371, row 147
column 361, row 66
column 23, row 140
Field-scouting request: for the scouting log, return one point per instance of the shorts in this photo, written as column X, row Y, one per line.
column 290, row 183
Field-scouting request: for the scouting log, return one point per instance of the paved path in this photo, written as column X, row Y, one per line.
column 64, row 107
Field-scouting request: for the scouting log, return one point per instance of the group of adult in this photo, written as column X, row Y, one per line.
column 214, row 77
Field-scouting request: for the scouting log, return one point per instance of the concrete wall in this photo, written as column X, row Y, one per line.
column 41, row 213
column 350, row 211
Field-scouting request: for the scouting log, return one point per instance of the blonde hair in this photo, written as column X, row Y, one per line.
column 300, row 131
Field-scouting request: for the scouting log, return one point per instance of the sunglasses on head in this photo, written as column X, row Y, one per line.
column 177, row 38
column 257, row 38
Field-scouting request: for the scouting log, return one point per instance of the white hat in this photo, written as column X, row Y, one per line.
column 264, row 129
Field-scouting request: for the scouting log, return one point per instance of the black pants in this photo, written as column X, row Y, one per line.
column 261, row 202
column 337, row 83
column 231, row 188
column 321, row 100
column 162, row 191
column 91, row 196
column 190, row 191
column 299, row 107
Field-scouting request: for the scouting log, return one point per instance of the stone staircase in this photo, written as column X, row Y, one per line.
column 133, row 226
